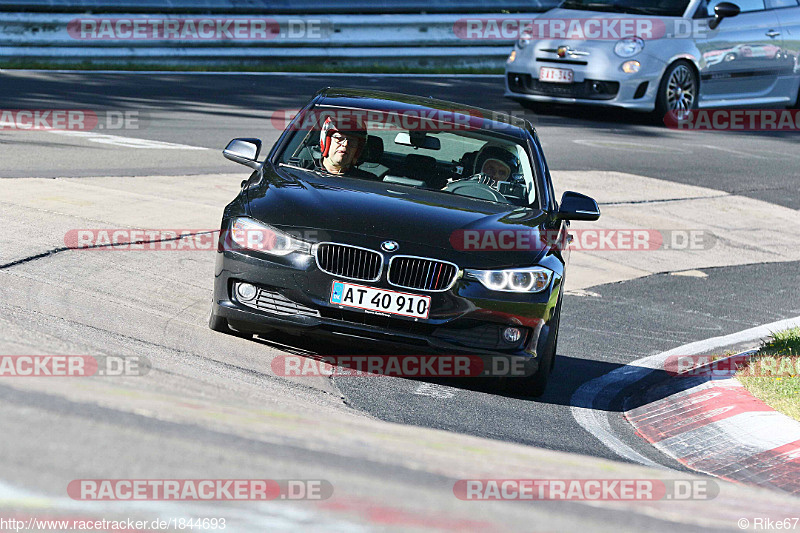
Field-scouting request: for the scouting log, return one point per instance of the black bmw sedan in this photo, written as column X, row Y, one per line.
column 423, row 224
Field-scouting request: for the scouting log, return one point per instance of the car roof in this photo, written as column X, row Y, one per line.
column 387, row 101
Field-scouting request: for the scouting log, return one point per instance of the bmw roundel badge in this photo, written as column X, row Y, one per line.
column 389, row 246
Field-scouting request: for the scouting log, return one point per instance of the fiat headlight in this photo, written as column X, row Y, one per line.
column 629, row 47
column 525, row 37
column 631, row 67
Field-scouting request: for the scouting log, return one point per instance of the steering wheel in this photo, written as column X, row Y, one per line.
column 474, row 189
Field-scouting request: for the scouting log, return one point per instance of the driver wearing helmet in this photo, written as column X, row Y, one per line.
column 341, row 149
column 494, row 164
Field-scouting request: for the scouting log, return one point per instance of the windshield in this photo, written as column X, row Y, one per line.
column 388, row 147
column 667, row 8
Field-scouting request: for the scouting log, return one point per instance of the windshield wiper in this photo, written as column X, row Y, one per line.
column 594, row 6
column 612, row 8
column 571, row 5
column 638, row 10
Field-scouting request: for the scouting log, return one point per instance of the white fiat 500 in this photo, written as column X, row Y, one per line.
column 662, row 55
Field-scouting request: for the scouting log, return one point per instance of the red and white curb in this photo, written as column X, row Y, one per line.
column 713, row 426
column 719, row 428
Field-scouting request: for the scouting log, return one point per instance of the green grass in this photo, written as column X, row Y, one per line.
column 775, row 373
column 329, row 67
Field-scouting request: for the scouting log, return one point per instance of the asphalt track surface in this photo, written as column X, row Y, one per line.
column 208, row 110
column 600, row 332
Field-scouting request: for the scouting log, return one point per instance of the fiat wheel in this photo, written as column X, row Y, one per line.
column 678, row 91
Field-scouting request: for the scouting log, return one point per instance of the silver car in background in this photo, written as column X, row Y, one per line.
column 689, row 54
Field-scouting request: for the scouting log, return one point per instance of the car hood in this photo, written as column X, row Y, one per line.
column 570, row 14
column 601, row 59
column 657, row 30
column 366, row 213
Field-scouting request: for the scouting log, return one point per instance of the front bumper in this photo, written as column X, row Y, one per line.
column 598, row 79
column 466, row 319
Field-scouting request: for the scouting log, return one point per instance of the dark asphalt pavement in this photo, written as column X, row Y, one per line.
column 627, row 321
column 209, row 110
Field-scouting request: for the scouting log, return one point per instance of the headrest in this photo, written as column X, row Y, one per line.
column 417, row 163
column 373, row 150
column 423, row 167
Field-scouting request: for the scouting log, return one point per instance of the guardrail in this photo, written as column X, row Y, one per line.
column 405, row 38
column 277, row 6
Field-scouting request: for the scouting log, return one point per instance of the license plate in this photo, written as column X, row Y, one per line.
column 380, row 300
column 555, row 75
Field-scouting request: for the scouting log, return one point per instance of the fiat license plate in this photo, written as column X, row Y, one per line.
column 555, row 75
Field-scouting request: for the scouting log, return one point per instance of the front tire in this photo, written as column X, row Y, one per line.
column 219, row 324
column 536, row 384
column 678, row 91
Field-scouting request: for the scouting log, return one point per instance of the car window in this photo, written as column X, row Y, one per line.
column 778, row 4
column 667, row 8
column 549, row 180
column 745, row 6
column 448, row 158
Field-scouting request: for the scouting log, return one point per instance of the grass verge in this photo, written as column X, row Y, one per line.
column 773, row 375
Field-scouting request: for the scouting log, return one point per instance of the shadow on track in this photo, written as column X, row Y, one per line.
column 569, row 374
column 243, row 96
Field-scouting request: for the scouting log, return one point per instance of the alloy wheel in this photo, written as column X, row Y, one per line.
column 681, row 90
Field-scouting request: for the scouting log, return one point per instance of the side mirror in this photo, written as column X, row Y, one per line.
column 721, row 11
column 576, row 206
column 244, row 151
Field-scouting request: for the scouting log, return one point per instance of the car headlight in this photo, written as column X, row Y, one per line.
column 525, row 37
column 631, row 67
column 248, row 234
column 629, row 47
column 532, row 279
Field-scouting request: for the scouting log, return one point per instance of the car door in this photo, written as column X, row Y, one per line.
column 788, row 13
column 741, row 58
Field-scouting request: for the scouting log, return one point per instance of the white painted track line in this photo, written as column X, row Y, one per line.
column 598, row 393
column 127, row 142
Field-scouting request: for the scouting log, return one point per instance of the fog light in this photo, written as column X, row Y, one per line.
column 245, row 291
column 512, row 56
column 512, row 335
column 631, row 67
